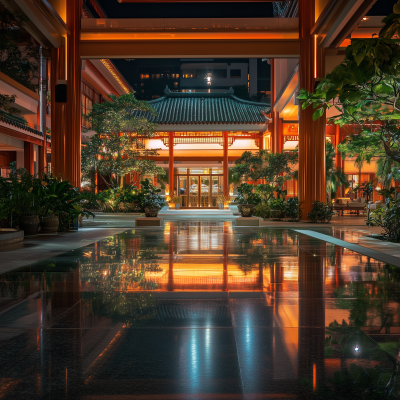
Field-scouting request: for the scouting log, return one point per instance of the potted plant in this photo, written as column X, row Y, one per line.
column 220, row 201
column 292, row 209
column 177, row 200
column 150, row 201
column 247, row 199
column 320, row 212
column 263, row 211
column 277, row 208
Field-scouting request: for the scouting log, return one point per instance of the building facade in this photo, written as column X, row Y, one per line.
column 198, row 136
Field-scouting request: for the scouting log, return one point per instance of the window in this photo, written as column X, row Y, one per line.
column 88, row 96
column 236, row 73
column 176, row 84
column 144, row 76
column 189, row 73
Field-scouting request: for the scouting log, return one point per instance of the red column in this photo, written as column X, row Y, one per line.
column 226, row 166
column 273, row 113
column 29, row 163
column 73, row 121
column 338, row 163
column 311, row 134
column 279, row 134
column 57, row 72
column 43, row 157
column 171, row 164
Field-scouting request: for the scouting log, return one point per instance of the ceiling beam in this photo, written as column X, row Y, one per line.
column 198, row 1
column 190, row 49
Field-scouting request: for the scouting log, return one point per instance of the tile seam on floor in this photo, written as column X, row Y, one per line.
column 378, row 255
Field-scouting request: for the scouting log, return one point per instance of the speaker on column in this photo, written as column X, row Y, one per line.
column 61, row 91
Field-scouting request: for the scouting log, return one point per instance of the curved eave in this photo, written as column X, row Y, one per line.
column 214, row 127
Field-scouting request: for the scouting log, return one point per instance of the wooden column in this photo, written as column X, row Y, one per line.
column 311, row 134
column 43, row 157
column 171, row 164
column 279, row 134
column 29, row 163
column 73, row 110
column 273, row 113
column 226, row 166
column 57, row 72
column 338, row 161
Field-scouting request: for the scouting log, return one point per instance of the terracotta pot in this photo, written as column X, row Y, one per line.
column 50, row 224
column 246, row 210
column 29, row 224
column 151, row 212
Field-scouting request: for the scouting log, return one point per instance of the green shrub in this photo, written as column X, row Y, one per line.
column 262, row 210
column 320, row 212
column 246, row 195
column 292, row 209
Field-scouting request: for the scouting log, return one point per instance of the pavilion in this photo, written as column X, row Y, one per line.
column 198, row 135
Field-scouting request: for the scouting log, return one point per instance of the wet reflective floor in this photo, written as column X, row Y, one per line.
column 199, row 310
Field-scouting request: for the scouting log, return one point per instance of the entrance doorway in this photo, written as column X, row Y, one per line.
column 200, row 190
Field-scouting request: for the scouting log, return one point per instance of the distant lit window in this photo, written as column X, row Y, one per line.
column 144, row 76
column 177, row 76
column 175, row 84
column 173, row 76
column 236, row 73
column 155, row 96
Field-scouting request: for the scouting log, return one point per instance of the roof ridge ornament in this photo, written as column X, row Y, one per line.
column 167, row 90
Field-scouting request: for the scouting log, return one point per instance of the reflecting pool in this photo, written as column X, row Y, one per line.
column 200, row 310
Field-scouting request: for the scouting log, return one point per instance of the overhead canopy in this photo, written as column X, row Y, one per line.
column 207, row 111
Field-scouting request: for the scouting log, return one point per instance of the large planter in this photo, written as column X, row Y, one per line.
column 50, row 224
column 10, row 236
column 29, row 224
column 177, row 206
column 221, row 206
column 246, row 210
column 151, row 212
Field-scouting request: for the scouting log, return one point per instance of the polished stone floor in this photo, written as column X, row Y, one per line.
column 201, row 310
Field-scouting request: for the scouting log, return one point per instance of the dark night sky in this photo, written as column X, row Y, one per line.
column 207, row 10
column 193, row 10
column 113, row 9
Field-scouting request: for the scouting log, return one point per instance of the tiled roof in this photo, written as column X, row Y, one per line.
column 206, row 108
column 14, row 122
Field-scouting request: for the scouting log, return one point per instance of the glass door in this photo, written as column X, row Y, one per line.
column 217, row 189
column 205, row 192
column 193, row 191
column 182, row 190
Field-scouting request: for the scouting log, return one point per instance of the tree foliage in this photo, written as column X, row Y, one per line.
column 18, row 55
column 335, row 177
column 117, row 148
column 275, row 168
column 364, row 90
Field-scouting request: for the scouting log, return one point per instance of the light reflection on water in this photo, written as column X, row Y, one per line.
column 205, row 310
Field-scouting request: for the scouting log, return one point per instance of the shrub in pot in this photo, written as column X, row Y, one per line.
column 177, row 200
column 277, row 208
column 292, row 209
column 150, row 201
column 263, row 211
column 320, row 212
column 220, row 201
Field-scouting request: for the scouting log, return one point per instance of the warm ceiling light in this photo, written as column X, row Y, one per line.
column 365, row 19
